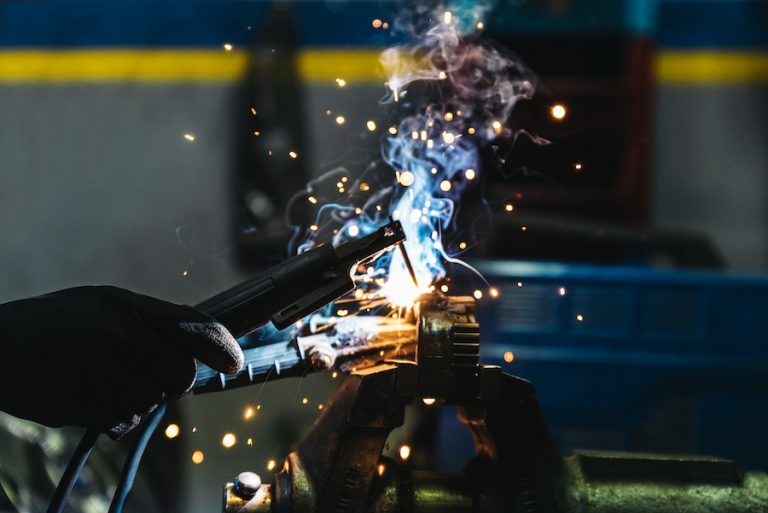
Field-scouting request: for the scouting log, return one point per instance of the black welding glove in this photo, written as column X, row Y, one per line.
column 103, row 356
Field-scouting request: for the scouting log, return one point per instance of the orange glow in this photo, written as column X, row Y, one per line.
column 198, row 457
column 509, row 357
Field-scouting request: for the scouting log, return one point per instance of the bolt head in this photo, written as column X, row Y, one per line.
column 247, row 484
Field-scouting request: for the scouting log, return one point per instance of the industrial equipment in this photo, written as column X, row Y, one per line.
column 339, row 466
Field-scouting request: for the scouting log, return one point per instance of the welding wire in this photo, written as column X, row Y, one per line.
column 75, row 465
column 408, row 264
column 134, row 458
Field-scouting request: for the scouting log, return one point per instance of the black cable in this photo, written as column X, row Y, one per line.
column 71, row 473
column 134, row 458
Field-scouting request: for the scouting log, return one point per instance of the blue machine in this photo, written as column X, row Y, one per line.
column 629, row 358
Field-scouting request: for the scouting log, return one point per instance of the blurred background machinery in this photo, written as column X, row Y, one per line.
column 147, row 145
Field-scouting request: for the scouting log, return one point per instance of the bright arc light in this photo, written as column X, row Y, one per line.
column 228, row 440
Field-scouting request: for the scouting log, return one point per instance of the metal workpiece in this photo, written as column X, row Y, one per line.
column 339, row 468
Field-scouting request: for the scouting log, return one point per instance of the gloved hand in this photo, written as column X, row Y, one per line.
column 103, row 356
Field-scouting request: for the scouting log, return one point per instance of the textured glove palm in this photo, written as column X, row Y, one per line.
column 103, row 356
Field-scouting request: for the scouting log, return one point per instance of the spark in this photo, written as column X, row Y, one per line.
column 433, row 170
column 447, row 17
column 189, row 137
column 462, row 245
column 380, row 469
column 293, row 154
column 561, row 291
column 429, row 401
column 228, row 47
column 445, row 186
column 385, row 25
column 579, row 317
column 470, row 130
column 358, row 293
column 509, row 357
column 524, row 228
column 312, row 200
column 335, row 374
column 448, row 116
column 442, row 75
column 228, row 440
column 478, row 294
column 370, row 125
column 509, row 207
column 448, row 137
column 328, row 112
column 341, row 82
column 480, row 25
column 342, row 313
column 470, row 174
column 320, row 406
column 444, row 288
column 365, row 187
column 256, row 133
column 253, row 111
column 353, row 230
column 578, row 166
column 376, row 23
column 194, row 430
column 358, row 211
column 519, row 284
column 305, row 400
column 198, row 457
column 405, row 452
column 313, row 227
column 494, row 292
column 497, row 126
column 392, row 130
column 558, row 112
column 172, row 431
column 271, row 464
column 185, row 273
column 406, row 178
column 258, row 407
column 340, row 120
column 249, row 442
column 249, row 413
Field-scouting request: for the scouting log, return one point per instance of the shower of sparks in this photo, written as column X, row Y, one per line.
column 198, row 457
column 172, row 431
column 558, row 112
column 228, row 440
column 189, row 137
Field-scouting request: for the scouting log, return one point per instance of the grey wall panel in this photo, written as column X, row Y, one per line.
column 711, row 172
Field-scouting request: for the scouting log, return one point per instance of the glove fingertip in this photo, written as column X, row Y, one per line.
column 221, row 352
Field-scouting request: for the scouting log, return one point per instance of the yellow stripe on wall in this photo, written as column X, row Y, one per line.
column 105, row 65
column 704, row 67
column 316, row 66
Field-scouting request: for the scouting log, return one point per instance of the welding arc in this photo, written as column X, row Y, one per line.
column 408, row 264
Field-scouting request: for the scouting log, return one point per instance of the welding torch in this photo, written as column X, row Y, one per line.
column 283, row 294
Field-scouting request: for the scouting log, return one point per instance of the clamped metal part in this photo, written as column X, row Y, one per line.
column 339, row 467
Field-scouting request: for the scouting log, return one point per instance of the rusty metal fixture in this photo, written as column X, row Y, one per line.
column 339, row 467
